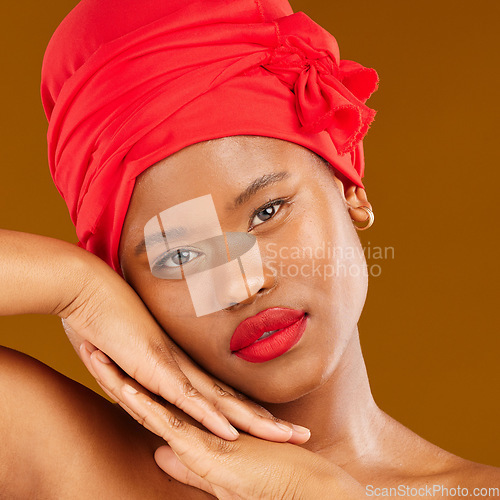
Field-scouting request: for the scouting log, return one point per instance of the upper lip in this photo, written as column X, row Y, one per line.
column 275, row 318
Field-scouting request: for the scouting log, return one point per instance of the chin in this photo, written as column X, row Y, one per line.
column 282, row 396
column 282, row 387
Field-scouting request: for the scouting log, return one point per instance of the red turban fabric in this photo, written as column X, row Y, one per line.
column 126, row 83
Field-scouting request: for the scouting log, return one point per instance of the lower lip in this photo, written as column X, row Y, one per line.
column 275, row 345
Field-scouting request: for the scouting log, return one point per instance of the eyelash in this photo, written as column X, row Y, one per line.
column 270, row 203
column 161, row 261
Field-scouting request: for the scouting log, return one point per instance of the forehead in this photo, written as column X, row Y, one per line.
column 221, row 167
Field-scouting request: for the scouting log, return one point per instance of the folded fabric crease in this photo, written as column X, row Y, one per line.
column 124, row 96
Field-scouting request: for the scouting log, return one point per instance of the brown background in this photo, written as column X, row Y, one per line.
column 430, row 326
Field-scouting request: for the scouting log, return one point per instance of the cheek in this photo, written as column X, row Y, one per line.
column 348, row 277
column 319, row 254
column 170, row 303
column 165, row 295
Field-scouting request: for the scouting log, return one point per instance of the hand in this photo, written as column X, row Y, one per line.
column 110, row 315
column 44, row 275
column 249, row 468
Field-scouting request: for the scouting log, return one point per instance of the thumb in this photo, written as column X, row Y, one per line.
column 200, row 459
column 168, row 460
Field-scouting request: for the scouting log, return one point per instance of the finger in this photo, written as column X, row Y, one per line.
column 148, row 357
column 215, row 460
column 239, row 409
column 112, row 379
column 210, row 457
column 86, row 349
column 168, row 461
column 75, row 339
column 160, row 373
column 120, row 403
column 242, row 412
column 201, row 452
column 252, row 418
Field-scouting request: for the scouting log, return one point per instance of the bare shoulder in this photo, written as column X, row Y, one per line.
column 474, row 475
column 74, row 443
column 456, row 476
column 413, row 466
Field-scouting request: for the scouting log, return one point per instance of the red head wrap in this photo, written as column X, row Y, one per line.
column 126, row 83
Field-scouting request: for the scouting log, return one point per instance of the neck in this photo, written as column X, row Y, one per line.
column 344, row 420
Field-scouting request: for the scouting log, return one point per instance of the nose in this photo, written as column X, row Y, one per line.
column 237, row 279
column 258, row 285
column 246, row 277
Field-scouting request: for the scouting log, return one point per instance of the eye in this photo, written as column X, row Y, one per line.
column 177, row 258
column 263, row 214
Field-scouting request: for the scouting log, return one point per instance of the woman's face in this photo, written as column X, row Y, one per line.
column 311, row 257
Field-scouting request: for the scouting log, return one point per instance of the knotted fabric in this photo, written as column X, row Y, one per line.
column 127, row 83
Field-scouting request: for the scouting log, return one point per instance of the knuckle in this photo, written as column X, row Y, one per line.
column 272, row 418
column 147, row 422
column 159, row 361
column 174, row 422
column 219, row 391
column 189, row 391
column 220, row 447
column 253, row 406
column 240, row 397
column 157, row 352
column 288, row 489
column 291, row 490
column 261, row 411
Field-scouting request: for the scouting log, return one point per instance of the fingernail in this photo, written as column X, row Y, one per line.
column 87, row 347
column 301, row 430
column 103, row 358
column 130, row 389
column 233, row 430
column 284, row 427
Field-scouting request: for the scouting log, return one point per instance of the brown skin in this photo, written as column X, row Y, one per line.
column 321, row 382
column 314, row 213
column 61, row 440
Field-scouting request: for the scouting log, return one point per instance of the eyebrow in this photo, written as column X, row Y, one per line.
column 258, row 184
column 255, row 186
column 159, row 237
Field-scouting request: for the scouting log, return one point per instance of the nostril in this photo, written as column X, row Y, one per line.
column 233, row 304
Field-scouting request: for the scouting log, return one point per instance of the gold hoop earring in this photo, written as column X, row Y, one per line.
column 371, row 219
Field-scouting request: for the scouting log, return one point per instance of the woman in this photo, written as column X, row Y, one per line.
column 300, row 200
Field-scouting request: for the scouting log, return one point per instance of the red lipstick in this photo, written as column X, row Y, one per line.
column 280, row 329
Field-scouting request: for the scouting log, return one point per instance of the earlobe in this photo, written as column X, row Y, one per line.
column 360, row 209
